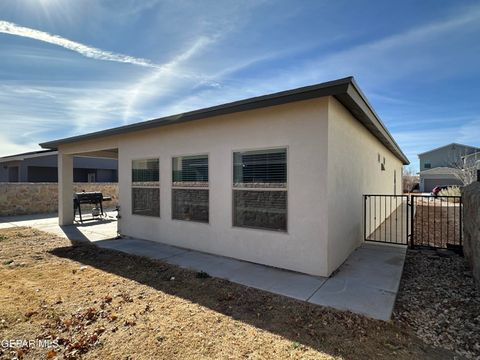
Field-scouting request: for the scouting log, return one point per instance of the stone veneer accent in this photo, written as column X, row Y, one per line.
column 39, row 198
column 471, row 229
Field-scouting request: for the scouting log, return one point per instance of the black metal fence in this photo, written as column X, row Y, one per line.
column 386, row 218
column 436, row 221
column 414, row 220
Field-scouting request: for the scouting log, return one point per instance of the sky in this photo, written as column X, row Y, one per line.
column 73, row 67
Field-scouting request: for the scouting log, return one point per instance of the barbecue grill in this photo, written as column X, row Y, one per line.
column 93, row 198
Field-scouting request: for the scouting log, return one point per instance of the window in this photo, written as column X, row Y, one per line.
column 378, row 157
column 260, row 189
column 190, row 193
column 145, row 187
column 427, row 166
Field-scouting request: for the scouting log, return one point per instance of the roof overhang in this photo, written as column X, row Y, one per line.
column 29, row 155
column 344, row 90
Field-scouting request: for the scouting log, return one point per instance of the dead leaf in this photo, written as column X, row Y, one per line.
column 30, row 314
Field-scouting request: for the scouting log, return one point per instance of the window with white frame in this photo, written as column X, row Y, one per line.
column 260, row 189
column 146, row 187
column 190, row 192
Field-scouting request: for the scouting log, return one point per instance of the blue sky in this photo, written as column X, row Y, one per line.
column 71, row 67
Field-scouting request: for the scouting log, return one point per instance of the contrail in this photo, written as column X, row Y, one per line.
column 85, row 50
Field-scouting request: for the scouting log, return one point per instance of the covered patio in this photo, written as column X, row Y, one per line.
column 65, row 178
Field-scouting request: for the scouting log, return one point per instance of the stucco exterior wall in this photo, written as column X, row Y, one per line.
column 332, row 162
column 353, row 170
column 301, row 127
column 42, row 198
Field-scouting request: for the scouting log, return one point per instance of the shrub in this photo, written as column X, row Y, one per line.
column 450, row 191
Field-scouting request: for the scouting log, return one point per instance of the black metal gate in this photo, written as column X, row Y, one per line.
column 414, row 220
column 386, row 218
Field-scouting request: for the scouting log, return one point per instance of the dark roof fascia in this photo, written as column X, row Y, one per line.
column 28, row 154
column 356, row 102
column 345, row 90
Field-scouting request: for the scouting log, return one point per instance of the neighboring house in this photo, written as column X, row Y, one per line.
column 440, row 166
column 276, row 179
column 439, row 176
column 41, row 166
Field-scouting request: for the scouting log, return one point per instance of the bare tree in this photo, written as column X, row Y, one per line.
column 409, row 179
column 466, row 169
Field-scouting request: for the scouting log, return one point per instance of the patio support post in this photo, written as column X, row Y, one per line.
column 65, row 189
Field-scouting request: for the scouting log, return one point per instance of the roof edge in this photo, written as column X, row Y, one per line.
column 444, row 146
column 282, row 97
column 345, row 90
column 27, row 155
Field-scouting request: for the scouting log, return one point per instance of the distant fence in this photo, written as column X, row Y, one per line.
column 40, row 198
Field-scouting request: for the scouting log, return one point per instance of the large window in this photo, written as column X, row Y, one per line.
column 145, row 187
column 190, row 194
column 260, row 189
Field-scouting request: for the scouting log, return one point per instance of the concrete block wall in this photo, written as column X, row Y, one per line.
column 40, row 198
column 471, row 230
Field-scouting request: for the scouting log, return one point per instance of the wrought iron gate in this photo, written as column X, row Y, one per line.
column 414, row 220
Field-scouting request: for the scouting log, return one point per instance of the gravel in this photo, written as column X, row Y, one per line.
column 438, row 300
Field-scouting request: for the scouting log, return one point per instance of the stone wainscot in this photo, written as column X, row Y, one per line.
column 42, row 198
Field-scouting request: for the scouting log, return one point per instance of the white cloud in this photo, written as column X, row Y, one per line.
column 153, row 84
column 85, row 50
column 10, row 147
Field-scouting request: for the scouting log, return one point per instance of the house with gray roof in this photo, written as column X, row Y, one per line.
column 442, row 166
column 270, row 179
column 41, row 166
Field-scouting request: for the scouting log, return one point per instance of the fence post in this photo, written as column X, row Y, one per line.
column 461, row 221
column 411, row 206
column 364, row 217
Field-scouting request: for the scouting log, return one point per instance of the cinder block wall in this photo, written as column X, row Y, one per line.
column 42, row 198
column 471, row 230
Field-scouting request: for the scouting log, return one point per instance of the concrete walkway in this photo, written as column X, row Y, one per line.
column 394, row 228
column 367, row 283
column 90, row 230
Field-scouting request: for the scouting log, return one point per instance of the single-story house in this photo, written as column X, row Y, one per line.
column 41, row 166
column 276, row 179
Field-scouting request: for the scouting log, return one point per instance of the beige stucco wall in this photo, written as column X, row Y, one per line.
column 353, row 170
column 300, row 126
column 42, row 198
column 332, row 162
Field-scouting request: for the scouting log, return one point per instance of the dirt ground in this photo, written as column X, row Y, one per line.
column 437, row 222
column 102, row 304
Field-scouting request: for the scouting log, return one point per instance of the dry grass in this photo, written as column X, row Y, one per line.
column 102, row 304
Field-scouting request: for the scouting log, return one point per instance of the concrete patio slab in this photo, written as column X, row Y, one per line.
column 354, row 296
column 92, row 230
column 367, row 283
